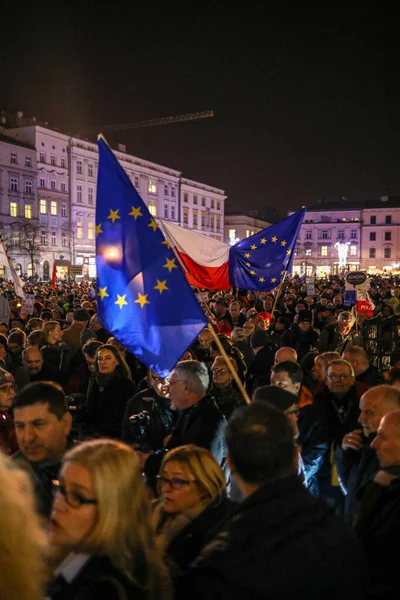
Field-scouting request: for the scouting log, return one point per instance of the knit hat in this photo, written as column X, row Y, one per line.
column 81, row 315
column 5, row 377
column 263, row 315
column 279, row 398
column 304, row 316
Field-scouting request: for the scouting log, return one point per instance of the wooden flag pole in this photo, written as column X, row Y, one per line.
column 278, row 293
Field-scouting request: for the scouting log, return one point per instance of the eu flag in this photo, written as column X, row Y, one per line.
column 143, row 297
column 259, row 262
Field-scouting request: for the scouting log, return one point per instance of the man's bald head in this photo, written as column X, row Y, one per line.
column 32, row 359
column 375, row 404
column 284, row 354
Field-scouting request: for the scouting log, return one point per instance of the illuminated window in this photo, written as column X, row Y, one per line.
column 353, row 250
column 186, row 216
column 53, row 207
column 153, row 208
column 63, row 209
column 203, row 219
column 152, row 186
column 324, row 250
column 13, row 184
column 28, row 211
column 79, row 230
column 13, row 209
column 232, row 234
column 90, row 231
column 247, row 233
column 90, row 195
column 212, row 219
column 43, row 207
column 308, row 251
column 53, row 239
column 218, row 223
column 79, row 193
column 28, row 187
column 79, row 167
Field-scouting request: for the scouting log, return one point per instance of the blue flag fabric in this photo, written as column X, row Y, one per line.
column 143, row 298
column 260, row 261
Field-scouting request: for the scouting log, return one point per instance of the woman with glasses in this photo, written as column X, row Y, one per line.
column 192, row 502
column 110, row 388
column 8, row 438
column 100, row 525
column 223, row 389
column 231, row 351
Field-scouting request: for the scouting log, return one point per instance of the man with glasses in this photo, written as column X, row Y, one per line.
column 339, row 401
column 42, row 424
column 197, row 419
column 312, row 431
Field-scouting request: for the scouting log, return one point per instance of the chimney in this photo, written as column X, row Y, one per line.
column 121, row 147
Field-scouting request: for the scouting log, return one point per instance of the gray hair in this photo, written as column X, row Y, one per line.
column 338, row 363
column 194, row 372
column 238, row 334
column 346, row 316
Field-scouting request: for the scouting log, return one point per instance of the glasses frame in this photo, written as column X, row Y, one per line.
column 58, row 488
column 175, row 483
column 222, row 371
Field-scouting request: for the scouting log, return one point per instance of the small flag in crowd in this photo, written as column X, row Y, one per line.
column 54, row 276
column 143, row 297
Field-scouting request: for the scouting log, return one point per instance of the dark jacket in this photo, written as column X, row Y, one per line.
column 371, row 377
column 57, row 359
column 280, row 543
column 331, row 339
column 151, row 435
column 227, row 399
column 305, row 340
column 354, row 470
column 378, row 528
column 203, row 425
column 106, row 405
column 259, row 372
column 97, row 580
column 314, row 441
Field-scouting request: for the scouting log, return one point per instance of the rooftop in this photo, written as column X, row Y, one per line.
column 344, row 204
column 9, row 140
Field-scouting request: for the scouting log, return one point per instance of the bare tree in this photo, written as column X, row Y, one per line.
column 24, row 237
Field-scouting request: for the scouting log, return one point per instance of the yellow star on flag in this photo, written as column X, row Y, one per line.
column 274, row 239
column 103, row 293
column 263, row 241
column 273, row 280
column 284, row 243
column 288, row 252
column 166, row 242
column 161, row 286
column 247, row 255
column 254, row 247
column 283, row 272
column 142, row 300
column 170, row 264
column 261, row 279
column 153, row 225
column 114, row 215
column 136, row 212
column 248, row 264
column 252, row 272
column 121, row 301
column 286, row 263
column 99, row 229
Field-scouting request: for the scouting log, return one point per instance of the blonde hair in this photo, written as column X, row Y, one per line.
column 123, row 529
column 201, row 464
column 326, row 357
column 22, row 539
column 49, row 326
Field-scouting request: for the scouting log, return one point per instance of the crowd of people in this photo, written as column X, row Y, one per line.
column 121, row 484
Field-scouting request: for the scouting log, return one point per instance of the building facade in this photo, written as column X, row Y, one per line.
column 64, row 170
column 340, row 236
column 239, row 226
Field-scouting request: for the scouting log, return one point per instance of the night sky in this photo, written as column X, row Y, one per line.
column 306, row 95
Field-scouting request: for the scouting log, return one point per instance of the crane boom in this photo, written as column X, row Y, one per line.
column 206, row 114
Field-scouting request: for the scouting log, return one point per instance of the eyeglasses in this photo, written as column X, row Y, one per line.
column 174, row 483
column 73, row 499
column 342, row 377
column 220, row 371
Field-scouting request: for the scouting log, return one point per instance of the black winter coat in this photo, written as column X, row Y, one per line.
column 280, row 543
column 371, row 376
column 106, row 405
column 259, row 372
column 314, row 441
column 97, row 580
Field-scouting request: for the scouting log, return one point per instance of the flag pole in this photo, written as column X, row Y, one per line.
column 278, row 293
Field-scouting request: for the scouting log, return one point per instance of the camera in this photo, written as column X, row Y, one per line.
column 139, row 425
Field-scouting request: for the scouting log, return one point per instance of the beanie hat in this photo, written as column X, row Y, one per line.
column 6, row 377
column 81, row 315
column 305, row 316
column 259, row 338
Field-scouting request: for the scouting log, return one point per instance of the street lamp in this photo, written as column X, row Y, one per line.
column 342, row 250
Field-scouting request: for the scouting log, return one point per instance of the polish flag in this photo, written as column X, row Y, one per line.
column 204, row 259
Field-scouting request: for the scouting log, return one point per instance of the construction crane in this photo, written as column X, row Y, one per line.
column 206, row 114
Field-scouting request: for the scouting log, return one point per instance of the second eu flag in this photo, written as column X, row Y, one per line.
column 143, row 297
